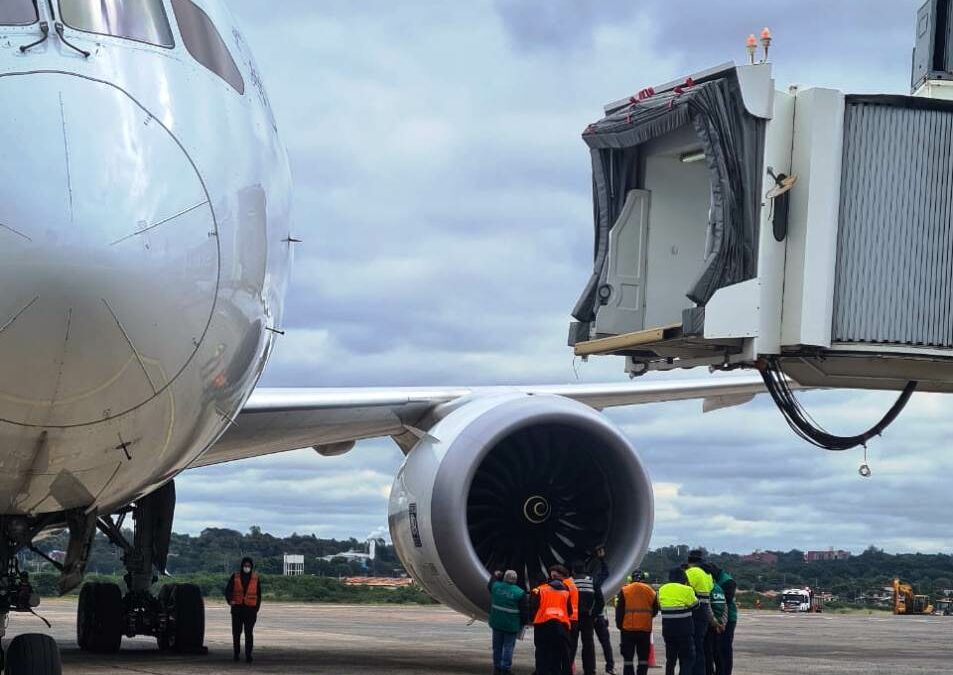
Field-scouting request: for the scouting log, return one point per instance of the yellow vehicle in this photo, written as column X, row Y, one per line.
column 906, row 602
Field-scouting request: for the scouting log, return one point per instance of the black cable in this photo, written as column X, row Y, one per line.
column 804, row 426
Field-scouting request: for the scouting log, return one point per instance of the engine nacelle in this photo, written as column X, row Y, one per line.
column 519, row 482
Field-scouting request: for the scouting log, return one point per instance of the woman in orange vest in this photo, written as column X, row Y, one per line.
column 551, row 609
column 243, row 594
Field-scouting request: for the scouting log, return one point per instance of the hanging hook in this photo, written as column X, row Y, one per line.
column 864, row 469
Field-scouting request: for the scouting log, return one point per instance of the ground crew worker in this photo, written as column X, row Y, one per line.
column 506, row 601
column 719, row 609
column 551, row 608
column 574, row 618
column 600, row 623
column 635, row 608
column 243, row 594
column 702, row 583
column 677, row 602
column 730, row 587
column 586, row 594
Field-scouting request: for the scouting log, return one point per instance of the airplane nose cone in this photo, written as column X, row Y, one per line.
column 109, row 259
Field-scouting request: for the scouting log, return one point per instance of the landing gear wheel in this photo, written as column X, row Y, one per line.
column 99, row 618
column 185, row 618
column 33, row 654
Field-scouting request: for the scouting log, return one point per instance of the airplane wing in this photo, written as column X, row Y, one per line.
column 332, row 420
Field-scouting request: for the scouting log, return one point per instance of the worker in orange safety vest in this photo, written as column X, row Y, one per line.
column 243, row 594
column 551, row 609
column 635, row 608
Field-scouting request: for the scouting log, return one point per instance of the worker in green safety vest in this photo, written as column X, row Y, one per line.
column 507, row 609
column 730, row 587
column 719, row 610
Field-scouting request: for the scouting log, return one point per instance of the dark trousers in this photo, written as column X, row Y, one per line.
column 587, row 637
column 712, row 653
column 243, row 619
column 726, row 644
column 635, row 644
column 680, row 650
column 552, row 648
column 601, row 626
column 573, row 643
column 700, row 619
column 503, row 646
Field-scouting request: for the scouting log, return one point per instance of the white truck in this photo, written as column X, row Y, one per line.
column 798, row 600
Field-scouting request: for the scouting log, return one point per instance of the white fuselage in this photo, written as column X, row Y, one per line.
column 144, row 254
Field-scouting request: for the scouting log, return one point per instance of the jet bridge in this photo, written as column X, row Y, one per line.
column 737, row 224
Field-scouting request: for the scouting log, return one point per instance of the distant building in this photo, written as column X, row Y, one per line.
column 763, row 557
column 830, row 554
column 294, row 565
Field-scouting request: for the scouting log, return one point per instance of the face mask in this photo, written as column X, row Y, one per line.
column 246, row 569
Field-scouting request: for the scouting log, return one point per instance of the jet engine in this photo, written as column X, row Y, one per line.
column 520, row 482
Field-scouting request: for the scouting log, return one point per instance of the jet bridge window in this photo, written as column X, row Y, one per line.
column 205, row 43
column 17, row 13
column 140, row 20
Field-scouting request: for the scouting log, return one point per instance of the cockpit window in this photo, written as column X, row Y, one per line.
column 17, row 12
column 140, row 20
column 205, row 44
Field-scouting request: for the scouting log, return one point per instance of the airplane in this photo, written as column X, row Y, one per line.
column 146, row 241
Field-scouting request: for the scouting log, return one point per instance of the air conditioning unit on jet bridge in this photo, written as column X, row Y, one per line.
column 735, row 222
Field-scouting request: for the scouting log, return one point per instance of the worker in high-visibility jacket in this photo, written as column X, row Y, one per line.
column 719, row 609
column 243, row 594
column 584, row 606
column 677, row 602
column 730, row 587
column 574, row 618
column 551, row 609
column 702, row 583
column 507, row 609
column 635, row 608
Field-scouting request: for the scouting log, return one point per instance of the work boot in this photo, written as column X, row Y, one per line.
column 237, row 654
column 248, row 658
column 610, row 670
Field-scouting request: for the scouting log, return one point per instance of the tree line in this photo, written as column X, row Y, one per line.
column 219, row 551
column 854, row 579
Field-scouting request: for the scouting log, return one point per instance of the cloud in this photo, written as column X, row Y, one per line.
column 444, row 196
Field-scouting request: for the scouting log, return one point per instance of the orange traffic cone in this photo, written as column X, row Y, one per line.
column 652, row 663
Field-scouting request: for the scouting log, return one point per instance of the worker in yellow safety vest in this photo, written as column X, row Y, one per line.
column 677, row 602
column 635, row 608
column 702, row 584
column 243, row 594
column 551, row 609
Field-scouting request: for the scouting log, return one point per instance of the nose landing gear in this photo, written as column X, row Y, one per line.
column 30, row 653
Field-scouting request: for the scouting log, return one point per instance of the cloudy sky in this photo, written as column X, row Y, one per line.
column 444, row 195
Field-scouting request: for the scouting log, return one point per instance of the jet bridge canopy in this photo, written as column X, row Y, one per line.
column 676, row 183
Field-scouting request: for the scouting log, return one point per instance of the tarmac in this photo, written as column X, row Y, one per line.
column 401, row 640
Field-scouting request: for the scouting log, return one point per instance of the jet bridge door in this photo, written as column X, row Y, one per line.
column 624, row 289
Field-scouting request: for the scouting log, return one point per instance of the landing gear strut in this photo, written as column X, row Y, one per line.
column 30, row 653
column 176, row 618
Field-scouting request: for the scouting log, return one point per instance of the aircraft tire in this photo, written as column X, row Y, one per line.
column 33, row 654
column 185, row 630
column 99, row 618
